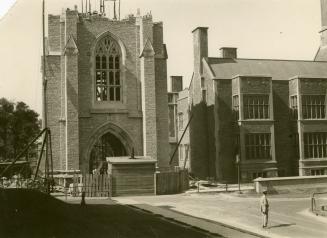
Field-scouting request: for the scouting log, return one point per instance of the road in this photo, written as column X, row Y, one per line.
column 289, row 215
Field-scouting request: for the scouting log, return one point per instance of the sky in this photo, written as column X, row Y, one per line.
column 271, row 29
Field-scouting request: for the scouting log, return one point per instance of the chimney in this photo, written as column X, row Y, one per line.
column 200, row 47
column 176, row 83
column 228, row 52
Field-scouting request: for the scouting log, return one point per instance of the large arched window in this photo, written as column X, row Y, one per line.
column 108, row 85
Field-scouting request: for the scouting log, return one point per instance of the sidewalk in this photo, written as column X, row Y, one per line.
column 215, row 228
column 289, row 216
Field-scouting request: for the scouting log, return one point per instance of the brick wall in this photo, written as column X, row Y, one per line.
column 53, row 72
column 183, row 107
column 224, row 131
column 162, row 112
column 71, row 89
column 284, row 135
column 161, row 95
column 54, row 32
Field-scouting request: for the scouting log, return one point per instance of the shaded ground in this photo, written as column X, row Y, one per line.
column 25, row 213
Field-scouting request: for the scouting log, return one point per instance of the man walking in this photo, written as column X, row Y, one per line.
column 264, row 207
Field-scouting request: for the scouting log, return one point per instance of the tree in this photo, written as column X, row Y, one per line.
column 18, row 126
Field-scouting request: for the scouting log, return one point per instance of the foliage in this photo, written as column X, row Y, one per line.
column 18, row 126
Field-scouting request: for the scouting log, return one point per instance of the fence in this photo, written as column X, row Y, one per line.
column 93, row 185
column 172, row 182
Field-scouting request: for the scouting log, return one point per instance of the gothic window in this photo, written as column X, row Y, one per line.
column 315, row 145
column 258, row 146
column 313, row 106
column 108, row 83
column 256, row 106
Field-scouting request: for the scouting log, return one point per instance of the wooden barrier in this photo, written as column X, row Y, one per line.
column 172, row 182
column 132, row 176
column 130, row 180
column 94, row 185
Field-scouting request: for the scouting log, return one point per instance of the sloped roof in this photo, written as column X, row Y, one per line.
column 226, row 68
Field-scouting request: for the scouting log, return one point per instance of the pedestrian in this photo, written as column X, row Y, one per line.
column 264, row 208
column 83, row 203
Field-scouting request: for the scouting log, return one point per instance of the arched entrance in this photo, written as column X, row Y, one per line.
column 107, row 145
column 106, row 141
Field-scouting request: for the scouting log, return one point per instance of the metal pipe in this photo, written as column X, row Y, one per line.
column 40, row 156
column 238, row 177
column 44, row 80
column 51, row 159
column 180, row 140
column 119, row 11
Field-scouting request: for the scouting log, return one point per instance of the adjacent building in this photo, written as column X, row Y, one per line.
column 179, row 118
column 266, row 116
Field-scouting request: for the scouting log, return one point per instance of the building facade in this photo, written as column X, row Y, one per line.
column 106, row 89
column 266, row 116
column 176, row 87
column 178, row 110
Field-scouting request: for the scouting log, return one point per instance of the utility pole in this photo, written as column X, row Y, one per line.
column 238, row 162
column 45, row 117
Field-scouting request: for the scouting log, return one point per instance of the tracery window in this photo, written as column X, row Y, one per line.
column 107, row 71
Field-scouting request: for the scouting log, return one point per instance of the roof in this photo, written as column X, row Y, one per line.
column 128, row 160
column 227, row 68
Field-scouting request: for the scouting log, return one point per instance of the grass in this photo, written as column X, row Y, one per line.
column 26, row 213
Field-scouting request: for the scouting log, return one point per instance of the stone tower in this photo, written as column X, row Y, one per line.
column 107, row 89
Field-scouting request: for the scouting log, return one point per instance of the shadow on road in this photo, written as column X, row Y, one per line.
column 282, row 225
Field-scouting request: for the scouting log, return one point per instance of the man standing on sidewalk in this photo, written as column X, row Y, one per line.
column 264, row 207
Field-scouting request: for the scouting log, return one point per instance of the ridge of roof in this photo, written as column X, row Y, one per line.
column 290, row 60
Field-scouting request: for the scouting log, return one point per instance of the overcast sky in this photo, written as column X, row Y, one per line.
column 277, row 29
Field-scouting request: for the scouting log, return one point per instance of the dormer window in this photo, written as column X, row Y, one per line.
column 108, row 85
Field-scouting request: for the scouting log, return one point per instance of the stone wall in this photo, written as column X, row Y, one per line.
column 291, row 184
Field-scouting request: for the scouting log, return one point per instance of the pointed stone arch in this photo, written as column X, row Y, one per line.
column 125, row 139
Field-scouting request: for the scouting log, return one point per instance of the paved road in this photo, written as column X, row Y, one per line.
column 289, row 217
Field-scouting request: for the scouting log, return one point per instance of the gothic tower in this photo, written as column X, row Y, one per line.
column 107, row 89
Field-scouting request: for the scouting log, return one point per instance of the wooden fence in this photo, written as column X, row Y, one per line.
column 172, row 182
column 167, row 182
column 92, row 184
